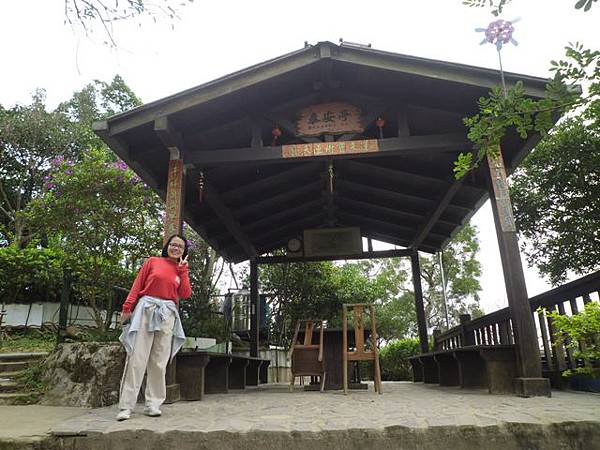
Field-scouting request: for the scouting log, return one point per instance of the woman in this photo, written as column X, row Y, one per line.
column 152, row 333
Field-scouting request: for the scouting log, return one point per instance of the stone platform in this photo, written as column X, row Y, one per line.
column 407, row 416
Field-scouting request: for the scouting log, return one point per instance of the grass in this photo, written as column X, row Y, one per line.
column 32, row 340
column 39, row 340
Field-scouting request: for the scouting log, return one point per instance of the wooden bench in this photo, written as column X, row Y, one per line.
column 201, row 372
column 478, row 366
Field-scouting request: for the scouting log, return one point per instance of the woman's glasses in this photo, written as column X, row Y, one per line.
column 177, row 245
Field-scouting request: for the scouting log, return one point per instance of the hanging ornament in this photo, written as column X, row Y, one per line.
column 276, row 132
column 380, row 123
column 330, row 172
column 201, row 187
column 499, row 32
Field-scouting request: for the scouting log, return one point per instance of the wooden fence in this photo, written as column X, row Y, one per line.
column 496, row 328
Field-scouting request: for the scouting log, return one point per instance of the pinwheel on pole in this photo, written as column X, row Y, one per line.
column 499, row 32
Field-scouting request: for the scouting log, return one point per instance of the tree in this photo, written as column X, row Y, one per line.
column 199, row 314
column 556, row 195
column 461, row 280
column 31, row 137
column 103, row 217
column 497, row 6
column 92, row 14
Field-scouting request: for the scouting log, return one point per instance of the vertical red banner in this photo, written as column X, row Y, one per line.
column 173, row 219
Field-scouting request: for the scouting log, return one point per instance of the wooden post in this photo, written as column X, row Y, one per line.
column 467, row 337
column 529, row 366
column 174, row 225
column 416, row 273
column 254, row 309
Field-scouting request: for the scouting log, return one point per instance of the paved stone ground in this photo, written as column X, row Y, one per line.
column 406, row 416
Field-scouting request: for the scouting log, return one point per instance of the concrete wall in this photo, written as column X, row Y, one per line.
column 39, row 313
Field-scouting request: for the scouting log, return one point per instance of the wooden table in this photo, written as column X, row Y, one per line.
column 332, row 356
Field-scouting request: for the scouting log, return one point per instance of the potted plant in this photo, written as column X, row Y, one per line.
column 581, row 333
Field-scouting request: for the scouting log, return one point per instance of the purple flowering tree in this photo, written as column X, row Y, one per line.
column 103, row 217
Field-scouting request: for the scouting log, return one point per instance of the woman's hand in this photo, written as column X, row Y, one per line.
column 125, row 317
column 183, row 261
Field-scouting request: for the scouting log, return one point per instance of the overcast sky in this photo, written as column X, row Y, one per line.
column 213, row 39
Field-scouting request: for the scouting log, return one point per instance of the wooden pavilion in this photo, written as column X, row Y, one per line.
column 320, row 147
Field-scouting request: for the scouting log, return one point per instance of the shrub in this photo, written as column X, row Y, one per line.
column 580, row 332
column 394, row 359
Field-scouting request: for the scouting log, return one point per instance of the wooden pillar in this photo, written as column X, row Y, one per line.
column 529, row 366
column 422, row 325
column 254, row 309
column 174, row 225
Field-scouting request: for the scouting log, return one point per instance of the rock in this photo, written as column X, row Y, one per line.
column 84, row 374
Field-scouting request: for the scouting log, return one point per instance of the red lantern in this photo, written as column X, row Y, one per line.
column 276, row 132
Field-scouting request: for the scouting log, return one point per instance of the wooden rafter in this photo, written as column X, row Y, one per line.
column 429, row 144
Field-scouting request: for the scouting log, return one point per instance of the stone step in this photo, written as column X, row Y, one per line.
column 17, row 398
column 31, row 356
column 10, row 375
column 7, row 386
column 13, row 366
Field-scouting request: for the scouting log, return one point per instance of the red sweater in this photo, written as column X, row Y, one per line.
column 159, row 277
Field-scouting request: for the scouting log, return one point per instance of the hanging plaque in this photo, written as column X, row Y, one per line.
column 329, row 148
column 329, row 118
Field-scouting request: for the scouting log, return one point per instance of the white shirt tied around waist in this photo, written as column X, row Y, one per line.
column 161, row 311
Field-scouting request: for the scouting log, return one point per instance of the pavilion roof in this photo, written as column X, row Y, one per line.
column 254, row 200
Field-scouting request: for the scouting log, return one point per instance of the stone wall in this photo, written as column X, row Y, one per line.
column 84, row 374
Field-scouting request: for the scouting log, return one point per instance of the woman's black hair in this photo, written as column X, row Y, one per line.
column 165, row 253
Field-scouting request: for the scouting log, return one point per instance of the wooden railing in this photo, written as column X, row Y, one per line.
column 496, row 328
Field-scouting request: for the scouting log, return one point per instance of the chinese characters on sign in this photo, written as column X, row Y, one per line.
column 498, row 174
column 173, row 210
column 329, row 148
column 330, row 118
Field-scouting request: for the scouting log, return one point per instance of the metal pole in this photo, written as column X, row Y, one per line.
column 65, row 298
column 444, row 290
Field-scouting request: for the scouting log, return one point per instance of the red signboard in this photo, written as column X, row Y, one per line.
column 329, row 148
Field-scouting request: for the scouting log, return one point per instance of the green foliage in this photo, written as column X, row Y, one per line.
column 497, row 6
column 461, row 276
column 33, row 269
column 394, row 359
column 30, row 340
column 556, row 196
column 31, row 379
column 581, row 332
column 31, row 137
column 104, row 219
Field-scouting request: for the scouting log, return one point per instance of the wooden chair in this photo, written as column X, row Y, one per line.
column 307, row 358
column 360, row 353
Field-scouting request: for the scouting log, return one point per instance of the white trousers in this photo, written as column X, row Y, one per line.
column 150, row 354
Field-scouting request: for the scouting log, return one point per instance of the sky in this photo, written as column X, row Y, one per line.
column 212, row 39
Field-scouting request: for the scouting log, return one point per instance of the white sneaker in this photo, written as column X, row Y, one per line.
column 152, row 411
column 124, row 414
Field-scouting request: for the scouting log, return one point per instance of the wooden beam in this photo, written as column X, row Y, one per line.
column 378, row 209
column 436, row 213
column 290, row 229
column 402, row 121
column 364, row 255
column 256, row 140
column 212, row 90
column 386, row 193
column 429, row 144
column 264, row 205
column 170, row 138
column 117, row 145
column 286, row 213
column 218, row 206
column 283, row 176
